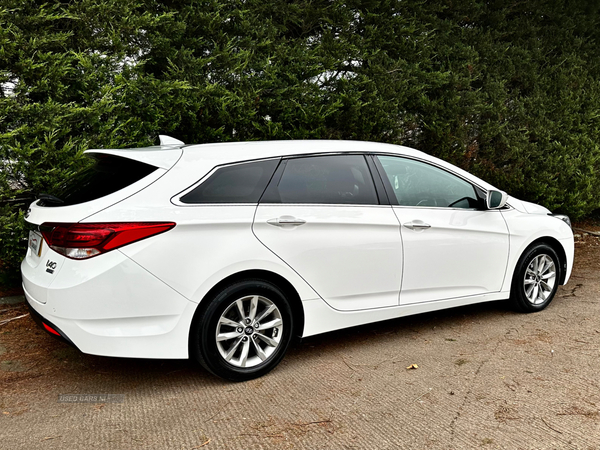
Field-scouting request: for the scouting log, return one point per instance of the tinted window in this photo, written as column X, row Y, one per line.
column 419, row 184
column 108, row 174
column 240, row 183
column 338, row 179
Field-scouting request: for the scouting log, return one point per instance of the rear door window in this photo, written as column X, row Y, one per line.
column 330, row 179
column 108, row 174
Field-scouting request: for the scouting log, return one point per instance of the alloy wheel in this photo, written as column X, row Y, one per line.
column 540, row 278
column 249, row 331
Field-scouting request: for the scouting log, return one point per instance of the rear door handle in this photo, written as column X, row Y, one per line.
column 286, row 220
column 417, row 225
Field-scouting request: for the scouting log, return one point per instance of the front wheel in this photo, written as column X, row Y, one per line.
column 535, row 280
column 244, row 331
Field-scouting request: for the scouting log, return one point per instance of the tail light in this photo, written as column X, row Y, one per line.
column 84, row 240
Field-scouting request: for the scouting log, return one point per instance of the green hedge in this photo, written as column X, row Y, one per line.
column 507, row 90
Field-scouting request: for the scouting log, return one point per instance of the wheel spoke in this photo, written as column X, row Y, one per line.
column 226, row 321
column 240, row 306
column 271, row 324
column 529, row 290
column 541, row 265
column 259, row 351
column 268, row 340
column 266, row 312
column 545, row 286
column 244, row 355
column 534, row 294
column 548, row 275
column 227, row 336
column 529, row 281
column 541, row 295
column 232, row 350
column 253, row 306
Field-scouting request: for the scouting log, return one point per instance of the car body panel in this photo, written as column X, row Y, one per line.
column 463, row 253
column 525, row 228
column 105, row 301
column 41, row 271
column 321, row 318
column 351, row 255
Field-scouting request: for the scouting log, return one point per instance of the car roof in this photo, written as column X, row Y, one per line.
column 241, row 151
column 228, row 152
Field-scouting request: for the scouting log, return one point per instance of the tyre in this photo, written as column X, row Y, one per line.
column 535, row 280
column 244, row 331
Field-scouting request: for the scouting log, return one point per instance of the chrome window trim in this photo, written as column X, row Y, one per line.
column 175, row 199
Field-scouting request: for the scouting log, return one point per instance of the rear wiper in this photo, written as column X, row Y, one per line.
column 47, row 198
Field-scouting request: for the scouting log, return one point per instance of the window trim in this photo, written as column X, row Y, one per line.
column 381, row 196
column 382, row 188
column 176, row 199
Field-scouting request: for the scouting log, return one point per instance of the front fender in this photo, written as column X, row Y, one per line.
column 525, row 229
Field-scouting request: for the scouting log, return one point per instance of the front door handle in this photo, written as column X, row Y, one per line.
column 286, row 220
column 417, row 225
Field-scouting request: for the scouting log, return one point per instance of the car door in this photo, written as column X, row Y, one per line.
column 453, row 246
column 321, row 215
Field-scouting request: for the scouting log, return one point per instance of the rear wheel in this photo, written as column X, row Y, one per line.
column 244, row 331
column 535, row 280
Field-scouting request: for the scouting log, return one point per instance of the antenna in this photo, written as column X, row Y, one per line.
column 168, row 140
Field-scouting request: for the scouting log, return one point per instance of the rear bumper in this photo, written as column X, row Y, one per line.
column 112, row 308
column 44, row 324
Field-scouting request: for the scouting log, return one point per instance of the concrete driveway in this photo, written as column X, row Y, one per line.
column 486, row 378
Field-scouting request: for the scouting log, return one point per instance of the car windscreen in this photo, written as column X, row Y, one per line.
column 106, row 175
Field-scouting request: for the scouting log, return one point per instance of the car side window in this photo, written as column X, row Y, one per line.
column 330, row 179
column 239, row 183
column 416, row 183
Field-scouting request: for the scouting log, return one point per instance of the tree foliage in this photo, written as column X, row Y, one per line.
column 507, row 90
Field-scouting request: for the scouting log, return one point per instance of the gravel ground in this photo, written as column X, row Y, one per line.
column 486, row 378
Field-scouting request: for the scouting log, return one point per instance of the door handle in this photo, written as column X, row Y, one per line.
column 417, row 225
column 286, row 220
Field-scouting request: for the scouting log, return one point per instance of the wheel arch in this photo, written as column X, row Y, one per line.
column 558, row 248
column 279, row 281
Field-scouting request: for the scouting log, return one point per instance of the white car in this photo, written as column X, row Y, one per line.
column 225, row 252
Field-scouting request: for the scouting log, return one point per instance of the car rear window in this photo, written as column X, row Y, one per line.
column 240, row 183
column 107, row 174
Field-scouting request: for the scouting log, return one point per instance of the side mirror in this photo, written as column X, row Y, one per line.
column 496, row 199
